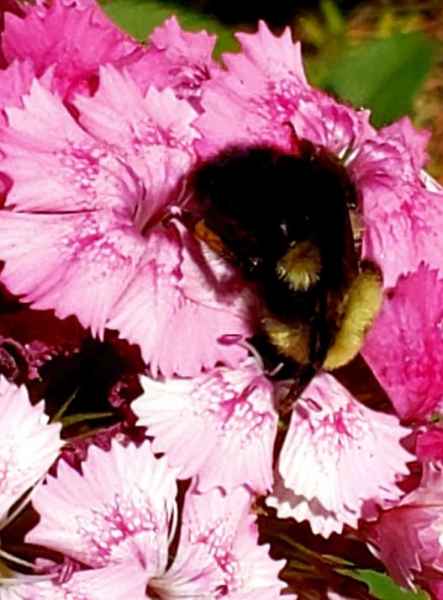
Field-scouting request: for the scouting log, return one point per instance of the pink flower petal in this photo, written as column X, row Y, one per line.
column 77, row 263
column 118, row 509
column 219, row 426
column 177, row 59
column 337, row 454
column 153, row 132
column 116, row 582
column 254, row 101
column 55, row 165
column 15, row 81
column 176, row 308
column 28, row 445
column 405, row 346
column 225, row 528
column 408, row 537
column 325, row 122
column 76, row 39
column 401, row 210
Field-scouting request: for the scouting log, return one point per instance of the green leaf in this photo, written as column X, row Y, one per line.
column 382, row 586
column 383, row 75
column 140, row 17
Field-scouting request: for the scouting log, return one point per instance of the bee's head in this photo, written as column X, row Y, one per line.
column 259, row 200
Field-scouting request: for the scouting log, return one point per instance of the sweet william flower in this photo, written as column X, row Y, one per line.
column 222, row 527
column 219, row 426
column 118, row 509
column 119, row 512
column 336, row 456
column 86, row 206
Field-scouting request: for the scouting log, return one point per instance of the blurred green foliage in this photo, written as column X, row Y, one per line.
column 383, row 75
column 383, row 587
column 140, row 17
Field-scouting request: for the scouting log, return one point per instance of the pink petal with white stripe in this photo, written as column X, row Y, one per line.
column 405, row 346
column 28, row 445
column 153, row 132
column 220, row 426
column 176, row 308
column 224, row 526
column 337, row 454
column 177, row 59
column 56, row 166
column 118, row 509
column 76, row 39
column 77, row 263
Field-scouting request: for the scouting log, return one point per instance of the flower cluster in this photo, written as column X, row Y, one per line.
column 99, row 137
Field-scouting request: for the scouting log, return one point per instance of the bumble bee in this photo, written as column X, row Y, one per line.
column 285, row 219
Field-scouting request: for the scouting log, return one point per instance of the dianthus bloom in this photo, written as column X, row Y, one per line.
column 97, row 158
column 121, row 511
column 226, row 416
column 84, row 233
column 334, row 459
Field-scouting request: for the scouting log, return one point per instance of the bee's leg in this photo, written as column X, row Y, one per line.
column 363, row 302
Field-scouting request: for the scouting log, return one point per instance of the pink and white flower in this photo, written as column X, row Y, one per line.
column 120, row 512
column 336, row 456
column 115, row 582
column 220, row 426
column 28, row 444
column 223, row 528
column 118, row 509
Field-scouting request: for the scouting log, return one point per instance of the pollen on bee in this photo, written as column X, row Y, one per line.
column 363, row 302
column 300, row 267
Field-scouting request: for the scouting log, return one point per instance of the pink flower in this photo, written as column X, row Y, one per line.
column 73, row 37
column 116, row 582
column 118, row 509
column 337, row 455
column 28, row 445
column 405, row 346
column 178, row 59
column 223, row 528
column 84, row 235
column 120, row 512
column 220, row 426
column 408, row 538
